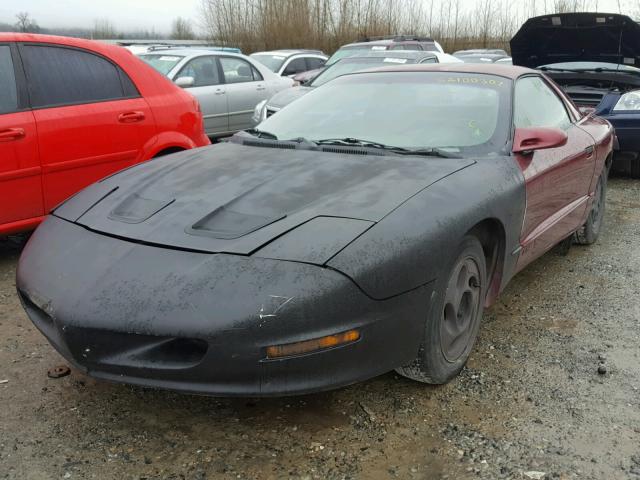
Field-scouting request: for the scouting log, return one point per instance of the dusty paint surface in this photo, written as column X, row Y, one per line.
column 530, row 400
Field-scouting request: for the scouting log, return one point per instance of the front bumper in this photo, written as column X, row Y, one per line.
column 201, row 323
column 627, row 128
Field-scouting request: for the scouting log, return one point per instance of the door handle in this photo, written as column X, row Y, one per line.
column 11, row 134
column 220, row 91
column 131, row 117
column 589, row 151
column 261, row 87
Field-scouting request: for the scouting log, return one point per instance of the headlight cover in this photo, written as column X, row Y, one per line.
column 630, row 101
column 257, row 112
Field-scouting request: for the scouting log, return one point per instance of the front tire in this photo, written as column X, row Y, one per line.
column 589, row 232
column 454, row 317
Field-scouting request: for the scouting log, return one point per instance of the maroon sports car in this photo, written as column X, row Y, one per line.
column 363, row 228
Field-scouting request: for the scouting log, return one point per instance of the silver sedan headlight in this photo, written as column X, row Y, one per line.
column 259, row 113
column 628, row 101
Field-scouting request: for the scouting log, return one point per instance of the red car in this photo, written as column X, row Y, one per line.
column 73, row 111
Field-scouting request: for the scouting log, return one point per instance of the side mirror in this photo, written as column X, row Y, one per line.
column 185, row 82
column 586, row 111
column 537, row 138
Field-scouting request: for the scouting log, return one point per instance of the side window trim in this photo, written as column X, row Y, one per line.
column 215, row 59
column 20, row 45
column 294, row 59
column 542, row 79
column 224, row 78
column 570, row 112
column 257, row 76
column 19, row 78
column 560, row 99
column 286, row 63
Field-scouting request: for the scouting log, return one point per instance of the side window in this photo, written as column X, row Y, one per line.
column 313, row 63
column 8, row 91
column 429, row 60
column 64, row 76
column 297, row 65
column 536, row 105
column 397, row 47
column 256, row 74
column 237, row 70
column 204, row 71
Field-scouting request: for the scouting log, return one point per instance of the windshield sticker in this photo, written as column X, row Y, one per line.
column 630, row 61
column 167, row 58
column 556, row 21
column 378, row 48
column 601, row 20
column 475, row 81
column 395, row 60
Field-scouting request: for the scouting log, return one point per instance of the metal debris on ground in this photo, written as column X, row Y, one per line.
column 58, row 372
column 535, row 475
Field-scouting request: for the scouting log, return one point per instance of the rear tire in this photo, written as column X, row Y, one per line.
column 454, row 317
column 589, row 232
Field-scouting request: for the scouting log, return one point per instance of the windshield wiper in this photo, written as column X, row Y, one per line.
column 356, row 142
column 614, row 70
column 587, row 70
column 553, row 69
column 430, row 152
column 261, row 134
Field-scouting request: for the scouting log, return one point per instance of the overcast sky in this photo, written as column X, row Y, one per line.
column 124, row 14
column 134, row 14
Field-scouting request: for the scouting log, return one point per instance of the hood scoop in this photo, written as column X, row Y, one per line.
column 227, row 224
column 136, row 208
column 232, row 198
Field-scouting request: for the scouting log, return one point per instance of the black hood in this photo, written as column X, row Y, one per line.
column 234, row 198
column 577, row 37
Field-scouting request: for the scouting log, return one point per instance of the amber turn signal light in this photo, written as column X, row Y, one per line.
column 322, row 343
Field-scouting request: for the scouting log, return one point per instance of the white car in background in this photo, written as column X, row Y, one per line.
column 364, row 60
column 227, row 85
column 288, row 63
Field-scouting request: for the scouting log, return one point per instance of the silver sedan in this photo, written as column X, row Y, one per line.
column 227, row 85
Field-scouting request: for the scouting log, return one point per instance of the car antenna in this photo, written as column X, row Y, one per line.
column 620, row 50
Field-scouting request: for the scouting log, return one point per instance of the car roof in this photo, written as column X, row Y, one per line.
column 93, row 45
column 192, row 52
column 507, row 71
column 393, row 39
column 482, row 51
column 371, row 43
column 290, row 52
column 479, row 56
column 412, row 54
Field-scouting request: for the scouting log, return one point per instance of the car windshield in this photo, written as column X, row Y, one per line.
column 352, row 51
column 162, row 63
column 412, row 110
column 590, row 66
column 354, row 64
column 272, row 62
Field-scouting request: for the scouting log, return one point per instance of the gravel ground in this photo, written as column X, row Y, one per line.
column 530, row 404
